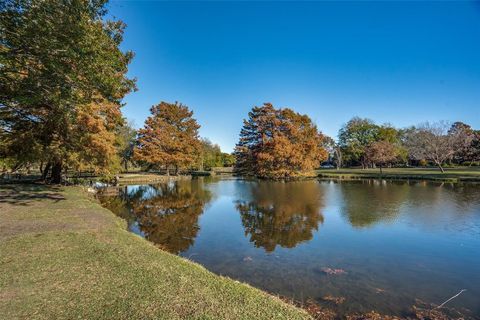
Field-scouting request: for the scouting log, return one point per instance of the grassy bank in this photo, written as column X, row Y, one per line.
column 462, row 174
column 63, row 256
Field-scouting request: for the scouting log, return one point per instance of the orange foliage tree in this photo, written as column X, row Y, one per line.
column 382, row 153
column 169, row 137
column 278, row 143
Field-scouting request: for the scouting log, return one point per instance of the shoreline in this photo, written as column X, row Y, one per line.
column 455, row 175
column 396, row 178
column 64, row 256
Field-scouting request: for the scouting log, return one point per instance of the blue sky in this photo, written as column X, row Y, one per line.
column 396, row 62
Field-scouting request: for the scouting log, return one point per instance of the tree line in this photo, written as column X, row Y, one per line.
column 63, row 77
column 281, row 143
column 363, row 143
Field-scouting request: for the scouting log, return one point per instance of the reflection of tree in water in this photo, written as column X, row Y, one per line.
column 367, row 202
column 168, row 214
column 116, row 200
column 283, row 214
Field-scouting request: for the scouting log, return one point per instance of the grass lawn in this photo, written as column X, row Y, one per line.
column 63, row 256
column 451, row 174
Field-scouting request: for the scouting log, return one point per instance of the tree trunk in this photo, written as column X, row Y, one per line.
column 176, row 170
column 126, row 166
column 57, row 172
column 46, row 171
column 381, row 172
column 168, row 170
column 440, row 167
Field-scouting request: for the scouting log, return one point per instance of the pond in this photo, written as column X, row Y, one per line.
column 369, row 245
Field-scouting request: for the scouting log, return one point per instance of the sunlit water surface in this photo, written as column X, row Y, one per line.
column 393, row 241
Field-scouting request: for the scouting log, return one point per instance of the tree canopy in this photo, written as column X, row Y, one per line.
column 212, row 156
column 436, row 142
column 381, row 153
column 169, row 137
column 278, row 143
column 358, row 139
column 62, row 77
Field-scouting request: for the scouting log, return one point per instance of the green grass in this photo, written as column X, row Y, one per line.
column 460, row 174
column 63, row 256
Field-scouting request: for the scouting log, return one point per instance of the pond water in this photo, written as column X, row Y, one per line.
column 379, row 245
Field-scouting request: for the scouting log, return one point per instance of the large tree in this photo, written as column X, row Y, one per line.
column 355, row 137
column 278, row 143
column 434, row 142
column 62, row 77
column 169, row 137
column 467, row 150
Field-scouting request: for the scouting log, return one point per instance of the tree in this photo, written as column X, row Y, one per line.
column 126, row 140
column 433, row 142
column 475, row 149
column 278, row 143
column 334, row 150
column 228, row 159
column 211, row 155
column 381, row 153
column 169, row 137
column 62, row 78
column 466, row 151
column 354, row 139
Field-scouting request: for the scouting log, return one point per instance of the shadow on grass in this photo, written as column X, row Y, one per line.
column 25, row 194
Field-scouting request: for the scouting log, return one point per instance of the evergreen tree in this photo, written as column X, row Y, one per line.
column 278, row 143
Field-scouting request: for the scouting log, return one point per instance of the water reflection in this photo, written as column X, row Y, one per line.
column 166, row 214
column 283, row 214
column 396, row 241
column 367, row 202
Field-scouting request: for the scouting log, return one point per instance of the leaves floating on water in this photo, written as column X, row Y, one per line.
column 425, row 311
column 332, row 271
column 420, row 311
column 371, row 316
column 336, row 300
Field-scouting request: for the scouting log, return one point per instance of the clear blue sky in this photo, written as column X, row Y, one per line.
column 397, row 62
